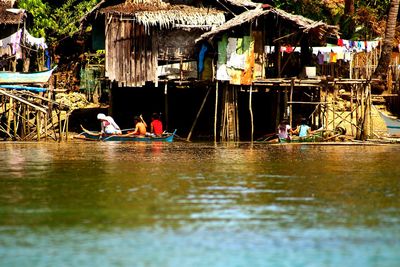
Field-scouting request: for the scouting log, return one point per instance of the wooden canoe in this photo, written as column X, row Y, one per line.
column 98, row 136
column 8, row 77
column 392, row 123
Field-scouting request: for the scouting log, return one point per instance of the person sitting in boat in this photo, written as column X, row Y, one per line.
column 284, row 130
column 108, row 125
column 140, row 126
column 156, row 127
column 303, row 130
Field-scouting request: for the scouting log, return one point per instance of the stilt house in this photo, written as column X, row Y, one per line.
column 10, row 18
column 147, row 40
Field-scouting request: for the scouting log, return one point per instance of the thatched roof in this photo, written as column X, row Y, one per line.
column 320, row 29
column 7, row 17
column 166, row 15
column 244, row 3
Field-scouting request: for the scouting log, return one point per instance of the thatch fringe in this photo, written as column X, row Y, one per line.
column 244, row 3
column 306, row 25
column 7, row 17
column 168, row 16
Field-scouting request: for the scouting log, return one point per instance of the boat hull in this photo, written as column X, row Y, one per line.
column 96, row 136
column 392, row 124
column 7, row 77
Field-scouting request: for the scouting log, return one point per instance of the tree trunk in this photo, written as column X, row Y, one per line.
column 384, row 61
column 349, row 7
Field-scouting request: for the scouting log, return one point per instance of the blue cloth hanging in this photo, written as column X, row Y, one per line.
column 48, row 61
column 202, row 54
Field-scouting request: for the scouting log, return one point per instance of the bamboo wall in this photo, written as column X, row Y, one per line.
column 131, row 52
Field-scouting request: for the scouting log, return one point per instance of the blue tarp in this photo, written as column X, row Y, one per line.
column 21, row 87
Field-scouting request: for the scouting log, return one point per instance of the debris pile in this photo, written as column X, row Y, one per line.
column 74, row 100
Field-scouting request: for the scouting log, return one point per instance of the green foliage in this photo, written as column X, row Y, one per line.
column 56, row 21
column 97, row 59
column 379, row 7
column 365, row 23
column 41, row 19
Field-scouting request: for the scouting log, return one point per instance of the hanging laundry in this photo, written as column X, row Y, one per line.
column 202, row 54
column 327, row 57
column 340, row 55
column 223, row 46
column 222, row 74
column 333, row 57
column 33, row 41
column 231, row 48
column 222, row 50
column 320, row 58
column 14, row 40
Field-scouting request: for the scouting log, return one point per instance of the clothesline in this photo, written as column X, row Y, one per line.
column 11, row 45
column 342, row 46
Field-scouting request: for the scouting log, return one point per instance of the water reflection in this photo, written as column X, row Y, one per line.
column 215, row 200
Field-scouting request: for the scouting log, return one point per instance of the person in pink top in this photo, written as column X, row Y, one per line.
column 156, row 125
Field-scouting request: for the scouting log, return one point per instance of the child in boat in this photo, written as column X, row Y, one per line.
column 156, row 127
column 283, row 130
column 140, row 126
column 108, row 125
column 303, row 130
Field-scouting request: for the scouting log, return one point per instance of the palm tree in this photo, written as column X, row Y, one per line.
column 387, row 47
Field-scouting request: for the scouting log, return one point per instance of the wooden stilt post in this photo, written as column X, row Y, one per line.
column 334, row 105
column 198, row 114
column 326, row 108
column 45, row 126
column 67, row 127
column 59, row 126
column 15, row 119
column 278, row 107
column 357, row 113
column 351, row 110
column 10, row 109
column 362, row 113
column 237, row 134
column 224, row 113
column 251, row 112
column 291, row 101
column 371, row 125
column 166, row 104
column 38, row 125
column 216, row 111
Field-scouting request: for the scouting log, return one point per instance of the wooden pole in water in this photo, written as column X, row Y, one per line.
column 251, row 111
column 237, row 135
column 326, row 108
column 67, row 127
column 278, row 107
column 45, row 126
column 371, row 129
column 351, row 110
column 216, row 111
column 38, row 126
column 291, row 101
column 15, row 119
column 334, row 106
column 166, row 104
column 10, row 106
column 223, row 115
column 198, row 115
column 357, row 113
column 59, row 126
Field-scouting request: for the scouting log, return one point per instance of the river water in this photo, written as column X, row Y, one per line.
column 199, row 204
